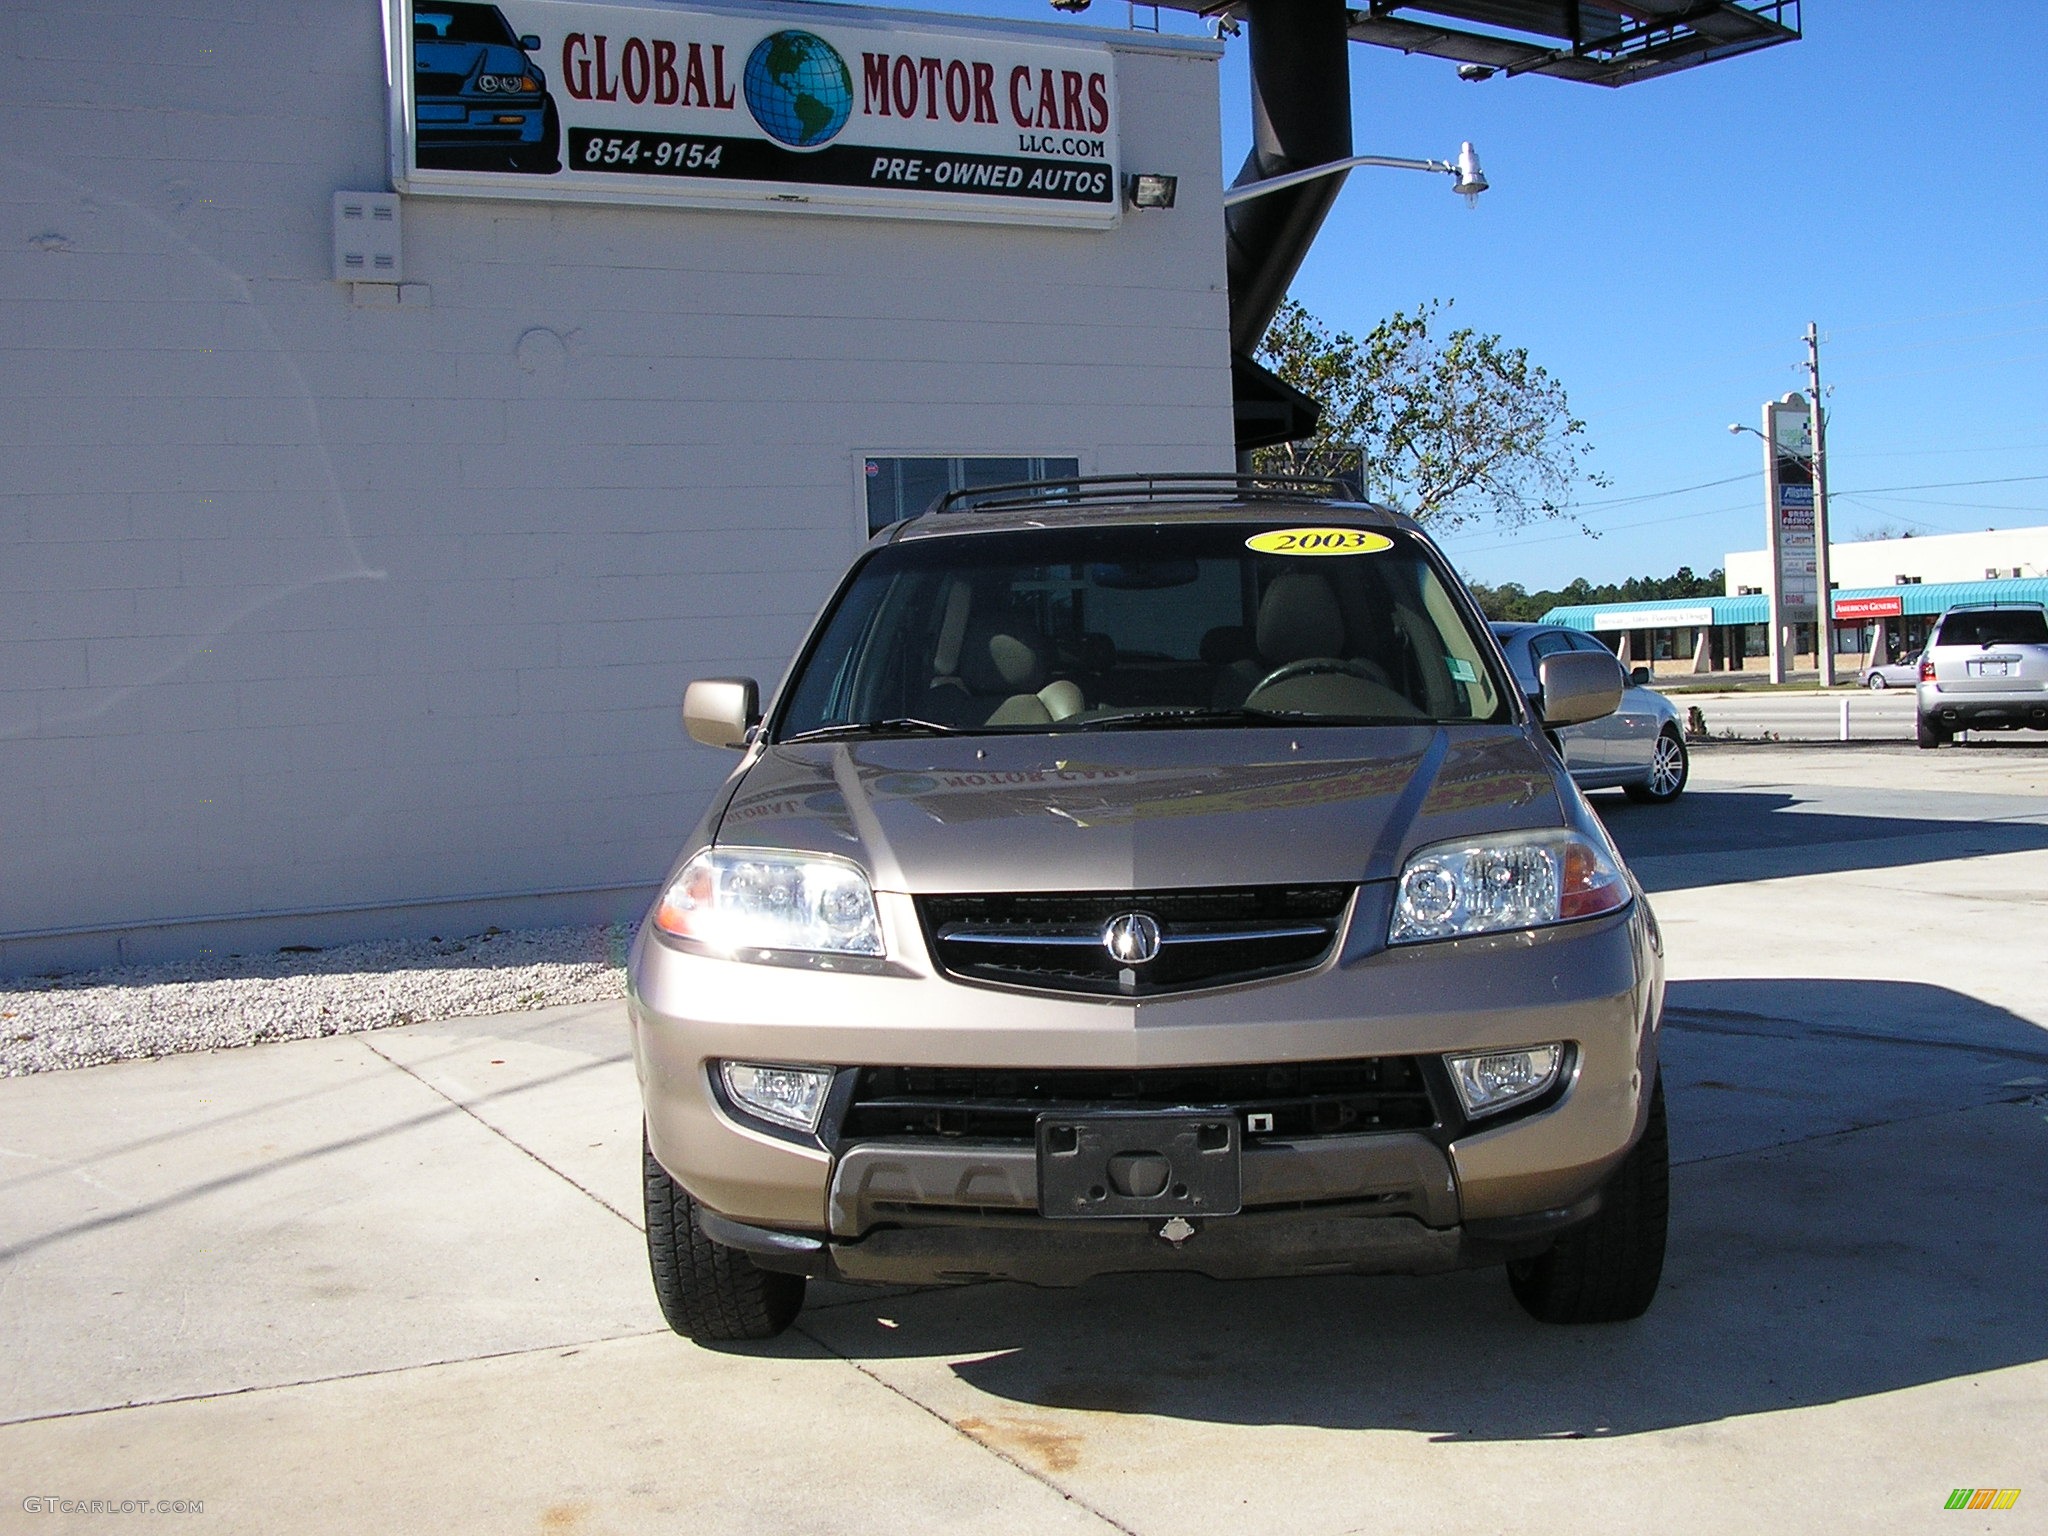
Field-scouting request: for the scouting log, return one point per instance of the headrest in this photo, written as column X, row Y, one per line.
column 1227, row 643
column 1004, row 655
column 1299, row 618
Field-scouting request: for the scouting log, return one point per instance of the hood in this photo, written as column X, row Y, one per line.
column 1140, row 810
column 464, row 59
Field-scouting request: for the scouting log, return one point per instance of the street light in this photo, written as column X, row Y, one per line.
column 1469, row 181
column 1790, row 453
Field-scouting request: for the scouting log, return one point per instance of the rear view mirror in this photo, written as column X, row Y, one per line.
column 1578, row 686
column 1144, row 575
column 530, row 42
column 1640, row 677
column 719, row 711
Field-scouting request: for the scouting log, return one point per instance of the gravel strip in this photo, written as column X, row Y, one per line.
column 83, row 1019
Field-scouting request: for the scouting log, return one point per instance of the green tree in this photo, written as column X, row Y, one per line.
column 1511, row 602
column 1454, row 427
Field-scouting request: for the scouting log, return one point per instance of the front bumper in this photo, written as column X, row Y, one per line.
column 931, row 1209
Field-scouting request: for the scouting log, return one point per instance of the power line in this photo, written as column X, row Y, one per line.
column 1947, row 314
column 1683, row 490
column 1950, row 341
column 1943, row 485
column 2036, row 446
column 1928, row 373
column 1555, row 538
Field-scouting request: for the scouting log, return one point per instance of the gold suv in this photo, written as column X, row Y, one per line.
column 1149, row 874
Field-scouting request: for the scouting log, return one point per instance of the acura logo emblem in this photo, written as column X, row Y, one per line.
column 1132, row 938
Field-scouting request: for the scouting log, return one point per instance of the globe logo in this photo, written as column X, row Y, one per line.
column 798, row 88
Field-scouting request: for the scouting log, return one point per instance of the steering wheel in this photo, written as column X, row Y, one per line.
column 1315, row 666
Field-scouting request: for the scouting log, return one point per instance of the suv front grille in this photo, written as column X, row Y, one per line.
column 1208, row 937
column 433, row 83
column 1305, row 1099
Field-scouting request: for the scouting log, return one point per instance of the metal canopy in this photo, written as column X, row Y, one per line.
column 1615, row 43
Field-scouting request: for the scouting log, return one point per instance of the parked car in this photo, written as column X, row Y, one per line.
column 1640, row 748
column 1148, row 874
column 1903, row 673
column 1985, row 669
column 479, row 103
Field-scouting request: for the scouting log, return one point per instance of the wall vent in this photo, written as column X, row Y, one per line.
column 367, row 243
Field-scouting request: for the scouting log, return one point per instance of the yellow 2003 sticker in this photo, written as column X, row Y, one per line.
column 1318, row 541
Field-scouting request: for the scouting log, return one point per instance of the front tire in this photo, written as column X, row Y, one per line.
column 1877, row 684
column 707, row 1291
column 1669, row 766
column 1606, row 1270
column 1928, row 734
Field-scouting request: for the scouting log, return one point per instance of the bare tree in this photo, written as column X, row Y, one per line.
column 1453, row 429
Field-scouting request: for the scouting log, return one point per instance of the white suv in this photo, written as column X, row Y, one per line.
column 1985, row 669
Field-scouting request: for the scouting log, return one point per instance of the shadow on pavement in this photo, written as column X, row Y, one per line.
column 1729, row 837
column 1805, row 1267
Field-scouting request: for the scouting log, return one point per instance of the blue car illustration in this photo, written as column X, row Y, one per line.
column 479, row 102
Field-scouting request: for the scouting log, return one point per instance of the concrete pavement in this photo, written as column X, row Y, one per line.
column 395, row 1282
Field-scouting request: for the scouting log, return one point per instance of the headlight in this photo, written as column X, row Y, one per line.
column 1514, row 880
column 746, row 899
column 491, row 85
column 1500, row 1078
column 792, row 1096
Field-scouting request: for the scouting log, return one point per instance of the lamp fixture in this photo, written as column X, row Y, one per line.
column 1147, row 190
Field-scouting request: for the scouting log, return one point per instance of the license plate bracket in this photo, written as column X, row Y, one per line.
column 1154, row 1163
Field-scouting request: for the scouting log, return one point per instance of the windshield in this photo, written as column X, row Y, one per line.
column 1123, row 628
column 462, row 24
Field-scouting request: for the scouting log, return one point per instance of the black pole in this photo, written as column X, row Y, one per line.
column 1301, row 117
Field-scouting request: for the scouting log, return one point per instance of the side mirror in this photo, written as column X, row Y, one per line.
column 1578, row 686
column 530, row 42
column 1639, row 677
column 719, row 711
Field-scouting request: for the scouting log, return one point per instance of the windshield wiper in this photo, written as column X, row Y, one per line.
column 1167, row 719
column 901, row 725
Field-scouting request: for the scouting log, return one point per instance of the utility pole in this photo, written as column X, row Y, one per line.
column 1824, row 617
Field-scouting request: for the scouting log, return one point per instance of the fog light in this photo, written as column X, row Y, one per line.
column 1500, row 1078
column 791, row 1096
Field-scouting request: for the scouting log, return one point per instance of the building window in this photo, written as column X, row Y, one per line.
column 1902, row 581
column 900, row 488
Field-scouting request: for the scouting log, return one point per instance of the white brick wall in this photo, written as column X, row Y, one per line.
column 307, row 606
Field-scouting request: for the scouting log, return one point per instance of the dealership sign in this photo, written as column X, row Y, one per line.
column 1792, row 530
column 790, row 107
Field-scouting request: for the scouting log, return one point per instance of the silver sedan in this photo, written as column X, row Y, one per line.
column 1904, row 673
column 1640, row 748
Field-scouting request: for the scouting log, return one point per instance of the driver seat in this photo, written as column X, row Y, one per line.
column 1299, row 620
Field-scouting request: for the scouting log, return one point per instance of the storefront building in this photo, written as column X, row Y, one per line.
column 355, row 550
column 1876, row 617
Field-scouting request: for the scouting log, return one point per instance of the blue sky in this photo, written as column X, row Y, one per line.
column 1661, row 248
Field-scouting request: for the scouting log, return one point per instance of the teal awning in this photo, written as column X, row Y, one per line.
column 1922, row 599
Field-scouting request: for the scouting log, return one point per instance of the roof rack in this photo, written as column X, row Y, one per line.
column 1082, row 489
